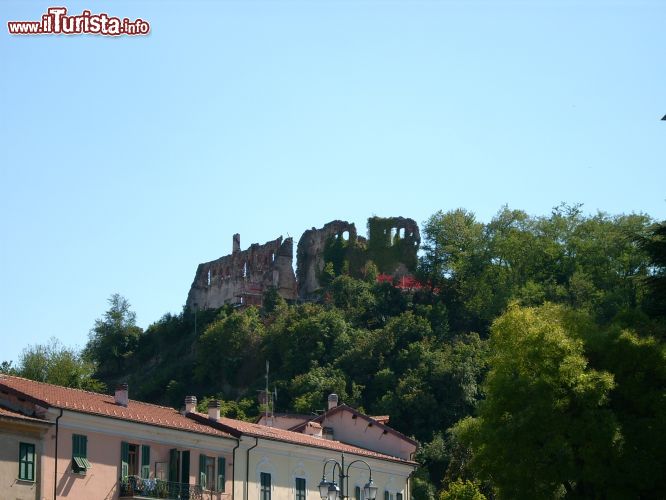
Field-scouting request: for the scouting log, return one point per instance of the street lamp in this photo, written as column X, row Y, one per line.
column 329, row 490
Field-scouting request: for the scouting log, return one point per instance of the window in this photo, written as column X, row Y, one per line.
column 265, row 493
column 206, row 472
column 398, row 496
column 26, row 461
column 388, row 495
column 357, row 493
column 300, row 488
column 221, row 473
column 133, row 464
column 129, row 460
column 145, row 462
column 80, row 454
column 174, row 460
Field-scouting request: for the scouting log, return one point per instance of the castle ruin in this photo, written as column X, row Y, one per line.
column 242, row 277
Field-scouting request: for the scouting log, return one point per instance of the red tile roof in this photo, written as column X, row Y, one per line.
column 380, row 421
column 48, row 395
column 275, row 434
column 5, row 413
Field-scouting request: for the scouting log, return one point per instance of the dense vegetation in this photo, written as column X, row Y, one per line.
column 530, row 365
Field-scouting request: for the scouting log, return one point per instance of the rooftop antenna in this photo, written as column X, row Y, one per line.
column 267, row 396
column 268, row 406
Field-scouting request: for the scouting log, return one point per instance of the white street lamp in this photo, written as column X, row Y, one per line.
column 329, row 490
column 370, row 490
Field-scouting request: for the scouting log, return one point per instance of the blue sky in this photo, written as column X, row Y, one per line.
column 124, row 162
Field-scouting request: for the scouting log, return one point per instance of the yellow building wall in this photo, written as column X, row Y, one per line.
column 285, row 462
column 11, row 435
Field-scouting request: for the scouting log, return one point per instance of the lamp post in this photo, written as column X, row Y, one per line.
column 329, row 490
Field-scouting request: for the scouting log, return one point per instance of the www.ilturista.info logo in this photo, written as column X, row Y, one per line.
column 56, row 22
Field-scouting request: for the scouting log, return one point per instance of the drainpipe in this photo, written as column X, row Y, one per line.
column 409, row 478
column 247, row 467
column 55, row 474
column 233, row 469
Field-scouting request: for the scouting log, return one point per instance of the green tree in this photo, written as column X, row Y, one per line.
column 309, row 390
column 545, row 429
column 306, row 334
column 369, row 272
column 56, row 364
column 462, row 490
column 113, row 340
column 7, row 368
column 245, row 409
column 273, row 301
column 433, row 385
column 654, row 244
column 638, row 365
column 587, row 262
column 227, row 352
column 352, row 296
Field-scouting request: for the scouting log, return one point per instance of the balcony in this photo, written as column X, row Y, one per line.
column 135, row 487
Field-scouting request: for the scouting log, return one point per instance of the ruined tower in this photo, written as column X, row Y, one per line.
column 242, row 277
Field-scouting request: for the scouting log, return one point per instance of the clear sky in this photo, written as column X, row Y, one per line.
column 126, row 161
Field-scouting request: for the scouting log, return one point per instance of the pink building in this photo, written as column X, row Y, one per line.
column 106, row 447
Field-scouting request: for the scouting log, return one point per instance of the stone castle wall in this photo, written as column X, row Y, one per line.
column 242, row 277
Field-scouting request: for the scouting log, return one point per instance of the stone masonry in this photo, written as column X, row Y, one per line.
column 242, row 277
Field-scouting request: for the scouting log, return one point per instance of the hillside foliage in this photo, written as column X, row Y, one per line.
column 530, row 364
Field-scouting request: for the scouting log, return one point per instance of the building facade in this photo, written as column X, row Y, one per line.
column 83, row 445
column 21, row 450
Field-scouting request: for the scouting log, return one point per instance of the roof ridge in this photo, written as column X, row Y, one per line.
column 152, row 404
column 4, row 375
column 95, row 403
column 343, row 406
column 303, row 439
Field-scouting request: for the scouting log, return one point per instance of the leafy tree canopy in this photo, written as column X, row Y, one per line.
column 56, row 364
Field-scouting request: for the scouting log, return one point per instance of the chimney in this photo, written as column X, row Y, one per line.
column 190, row 404
column 214, row 410
column 332, row 401
column 236, row 245
column 313, row 429
column 122, row 395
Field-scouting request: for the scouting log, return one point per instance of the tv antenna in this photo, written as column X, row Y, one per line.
column 268, row 399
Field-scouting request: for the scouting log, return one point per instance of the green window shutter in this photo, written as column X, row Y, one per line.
column 124, row 460
column 386, row 495
column 265, row 486
column 202, row 470
column 221, row 473
column 357, row 493
column 300, row 488
column 76, row 445
column 173, row 465
column 185, row 467
column 80, row 453
column 145, row 461
column 22, row 462
column 398, row 496
column 27, row 461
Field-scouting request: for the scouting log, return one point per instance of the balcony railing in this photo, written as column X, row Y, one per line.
column 135, row 487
